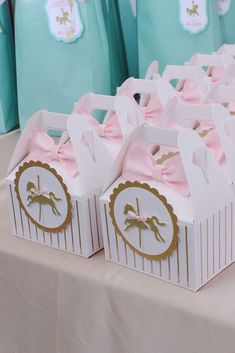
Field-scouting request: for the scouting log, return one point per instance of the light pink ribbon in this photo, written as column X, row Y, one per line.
column 43, row 148
column 139, row 164
column 190, row 92
column 217, row 74
column 110, row 129
column 211, row 140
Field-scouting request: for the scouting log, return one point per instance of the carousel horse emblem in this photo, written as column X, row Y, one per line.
column 142, row 223
column 64, row 18
column 41, row 198
column 194, row 10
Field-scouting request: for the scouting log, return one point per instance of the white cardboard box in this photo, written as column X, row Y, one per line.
column 68, row 219
column 199, row 237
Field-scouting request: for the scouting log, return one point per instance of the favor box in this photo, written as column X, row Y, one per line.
column 47, row 205
column 150, row 227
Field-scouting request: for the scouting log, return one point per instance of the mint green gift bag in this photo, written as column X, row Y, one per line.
column 129, row 29
column 171, row 31
column 8, row 101
column 62, row 52
column 226, row 10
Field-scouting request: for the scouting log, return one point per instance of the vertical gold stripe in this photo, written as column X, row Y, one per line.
column 207, row 249
column 21, row 219
column 134, row 258
column 30, row 236
column 107, row 230
column 97, row 222
column 44, row 238
column 160, row 264
column 116, row 239
column 89, row 211
column 51, row 239
column 178, row 262
column 58, row 240
column 225, row 236
column 126, row 254
column 213, row 243
column 13, row 208
column 36, row 229
column 201, row 253
column 219, row 239
column 79, row 229
column 169, row 268
column 231, row 231
column 151, row 263
column 186, row 249
column 72, row 237
column 65, row 240
column 142, row 263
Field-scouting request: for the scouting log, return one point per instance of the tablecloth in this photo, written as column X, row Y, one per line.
column 53, row 302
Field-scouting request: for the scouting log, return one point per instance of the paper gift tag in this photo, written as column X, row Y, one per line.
column 144, row 220
column 223, row 6
column 193, row 15
column 43, row 196
column 64, row 19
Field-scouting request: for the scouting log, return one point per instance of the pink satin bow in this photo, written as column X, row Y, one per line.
column 190, row 92
column 152, row 111
column 110, row 130
column 139, row 164
column 217, row 74
column 43, row 148
column 211, row 139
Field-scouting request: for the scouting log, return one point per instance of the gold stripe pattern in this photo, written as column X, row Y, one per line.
column 225, row 236
column 30, row 236
column 13, row 208
column 178, row 262
column 44, row 238
column 213, row 243
column 151, row 264
column 21, row 219
column 97, row 222
column 169, row 268
column 79, row 229
column 142, row 263
column 160, row 264
column 58, row 240
column 134, row 258
column 65, row 240
column 207, row 249
column 51, row 239
column 125, row 246
column 187, row 258
column 117, row 248
column 201, row 253
column 36, row 229
column 231, row 231
column 89, row 211
column 107, row 230
column 219, row 239
column 72, row 236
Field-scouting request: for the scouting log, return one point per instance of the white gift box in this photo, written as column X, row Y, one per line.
column 192, row 73
column 219, row 61
column 197, row 230
column 46, row 204
column 228, row 49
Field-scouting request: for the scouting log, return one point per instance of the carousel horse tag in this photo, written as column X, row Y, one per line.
column 223, row 6
column 64, row 19
column 193, row 15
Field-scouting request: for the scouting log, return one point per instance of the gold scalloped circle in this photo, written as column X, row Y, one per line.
column 18, row 174
column 137, row 184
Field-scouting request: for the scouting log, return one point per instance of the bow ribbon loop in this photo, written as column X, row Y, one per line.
column 139, row 164
column 43, row 148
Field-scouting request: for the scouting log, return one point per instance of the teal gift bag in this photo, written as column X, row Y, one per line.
column 8, row 101
column 172, row 31
column 129, row 28
column 116, row 44
column 62, row 52
column 226, row 10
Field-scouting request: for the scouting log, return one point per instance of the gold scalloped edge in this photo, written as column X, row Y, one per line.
column 204, row 133
column 155, row 192
column 166, row 156
column 46, row 166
